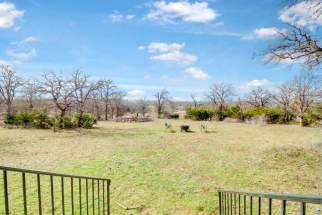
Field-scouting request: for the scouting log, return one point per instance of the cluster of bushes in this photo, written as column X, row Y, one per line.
column 271, row 115
column 41, row 119
column 199, row 114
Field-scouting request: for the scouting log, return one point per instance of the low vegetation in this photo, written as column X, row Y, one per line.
column 174, row 172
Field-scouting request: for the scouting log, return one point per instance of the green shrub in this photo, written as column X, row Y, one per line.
column 220, row 114
column 174, row 116
column 273, row 115
column 235, row 113
column 199, row 114
column 311, row 119
column 86, row 121
column 41, row 119
column 254, row 112
column 10, row 120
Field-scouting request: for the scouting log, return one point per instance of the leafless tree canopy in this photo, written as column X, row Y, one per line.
column 31, row 90
column 194, row 100
column 220, row 93
column 299, row 44
column 162, row 97
column 106, row 91
column 143, row 106
column 259, row 97
column 60, row 91
column 285, row 98
column 9, row 82
column 307, row 88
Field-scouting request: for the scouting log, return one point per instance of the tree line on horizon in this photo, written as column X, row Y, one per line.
column 77, row 94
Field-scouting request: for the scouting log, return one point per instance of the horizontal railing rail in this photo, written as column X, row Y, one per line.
column 39, row 192
column 239, row 202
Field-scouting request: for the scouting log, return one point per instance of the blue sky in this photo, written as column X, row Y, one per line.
column 183, row 46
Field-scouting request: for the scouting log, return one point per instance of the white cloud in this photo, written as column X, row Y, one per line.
column 176, row 57
column 27, row 40
column 256, row 83
column 118, row 17
column 9, row 14
column 170, row 52
column 22, row 56
column 198, row 12
column 135, row 94
column 302, row 14
column 265, row 33
column 165, row 47
column 196, row 73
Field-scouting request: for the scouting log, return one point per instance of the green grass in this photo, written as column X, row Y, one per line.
column 174, row 173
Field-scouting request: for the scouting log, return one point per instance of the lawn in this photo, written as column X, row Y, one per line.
column 174, row 173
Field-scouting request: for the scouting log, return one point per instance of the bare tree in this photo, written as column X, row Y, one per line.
column 143, row 106
column 307, row 88
column 162, row 97
column 107, row 89
column 82, row 89
column 117, row 100
column 9, row 82
column 285, row 99
column 31, row 90
column 259, row 97
column 60, row 90
column 194, row 100
column 299, row 44
column 219, row 93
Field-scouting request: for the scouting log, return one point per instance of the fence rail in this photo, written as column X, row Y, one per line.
column 237, row 202
column 37, row 192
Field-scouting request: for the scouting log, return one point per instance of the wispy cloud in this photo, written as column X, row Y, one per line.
column 171, row 12
column 116, row 17
column 170, row 52
column 22, row 56
column 196, row 73
column 265, row 33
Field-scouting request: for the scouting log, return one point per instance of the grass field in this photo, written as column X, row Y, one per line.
column 174, row 173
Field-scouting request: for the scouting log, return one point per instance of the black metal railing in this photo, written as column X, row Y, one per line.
column 35, row 192
column 236, row 202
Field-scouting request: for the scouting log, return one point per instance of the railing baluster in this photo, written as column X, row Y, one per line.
column 52, row 195
column 87, row 209
column 269, row 206
column 224, row 203
column 24, row 193
column 259, row 205
column 303, row 208
column 245, row 209
column 80, row 195
column 103, row 197
column 238, row 204
column 219, row 196
column 251, row 205
column 5, row 190
column 72, row 193
column 283, row 207
column 93, row 199
column 98, row 194
column 228, row 205
column 231, row 204
column 62, row 195
column 39, row 194
column 108, row 197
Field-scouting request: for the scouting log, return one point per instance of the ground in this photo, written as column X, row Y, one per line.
column 169, row 172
